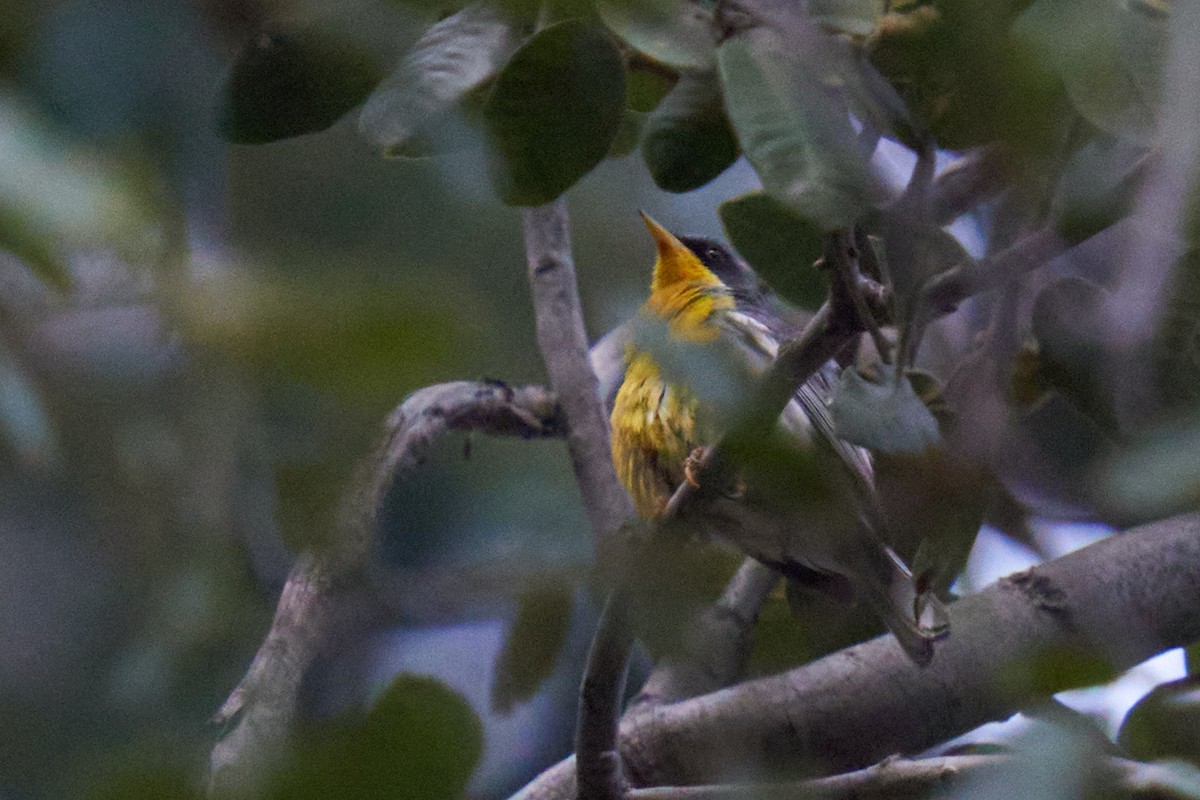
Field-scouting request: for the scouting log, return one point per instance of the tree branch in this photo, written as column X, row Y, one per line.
column 854, row 707
column 563, row 343
column 323, row 588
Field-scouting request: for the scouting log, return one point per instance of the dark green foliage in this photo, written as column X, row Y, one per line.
column 781, row 246
column 420, row 741
column 882, row 413
column 688, row 140
column 1165, row 723
column 554, row 112
column 676, row 33
column 291, row 81
column 451, row 59
column 1070, row 319
column 534, row 641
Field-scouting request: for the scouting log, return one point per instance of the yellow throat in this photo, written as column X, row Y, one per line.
column 655, row 426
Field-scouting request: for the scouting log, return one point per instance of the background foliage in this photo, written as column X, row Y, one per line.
column 213, row 288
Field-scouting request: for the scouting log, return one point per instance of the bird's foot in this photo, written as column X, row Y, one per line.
column 692, row 465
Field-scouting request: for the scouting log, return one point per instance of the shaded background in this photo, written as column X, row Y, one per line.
column 181, row 419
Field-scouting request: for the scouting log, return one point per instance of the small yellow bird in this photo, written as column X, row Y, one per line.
column 711, row 302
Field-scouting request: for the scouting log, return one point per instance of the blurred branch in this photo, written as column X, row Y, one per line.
column 905, row 779
column 854, row 707
column 975, row 178
column 324, row 590
column 943, row 294
column 563, row 343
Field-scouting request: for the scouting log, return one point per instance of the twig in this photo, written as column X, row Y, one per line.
column 563, row 343
column 320, row 592
column 855, row 707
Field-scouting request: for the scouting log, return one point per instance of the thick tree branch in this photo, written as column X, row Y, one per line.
column 903, row 779
column 321, row 593
column 854, row 707
column 563, row 343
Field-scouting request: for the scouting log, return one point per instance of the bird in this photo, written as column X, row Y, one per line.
column 707, row 303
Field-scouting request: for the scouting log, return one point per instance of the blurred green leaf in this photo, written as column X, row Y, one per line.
column 307, row 497
column 290, row 81
column 855, row 17
column 58, row 199
column 146, row 783
column 1175, row 351
column 1109, row 55
column 780, row 245
column 934, row 503
column 646, row 88
column 973, row 78
column 363, row 343
column 452, row 58
column 1156, row 474
column 882, row 413
column 420, row 740
column 915, row 253
column 628, row 134
column 24, row 423
column 804, row 626
column 533, row 644
column 795, row 131
column 1097, row 188
column 554, row 111
column 688, row 140
column 677, row 33
column 1165, row 723
column 1070, row 321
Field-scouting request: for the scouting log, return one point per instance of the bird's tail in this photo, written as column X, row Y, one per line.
column 916, row 618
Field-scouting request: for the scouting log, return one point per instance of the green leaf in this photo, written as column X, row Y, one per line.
column 1156, row 475
column 1110, row 56
column 533, row 644
column 1069, row 321
column 292, row 81
column 795, row 130
column 420, row 740
column 677, row 33
column 915, row 252
column 24, row 424
column 646, row 88
column 854, row 17
column 628, row 134
column 882, row 413
column 452, row 58
column 58, row 199
column 688, row 140
column 554, row 111
column 1165, row 723
column 1097, row 187
column 779, row 244
column 967, row 71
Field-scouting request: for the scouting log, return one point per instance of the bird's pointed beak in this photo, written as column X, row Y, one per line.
column 675, row 263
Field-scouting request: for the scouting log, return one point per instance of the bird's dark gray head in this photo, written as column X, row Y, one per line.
column 752, row 295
